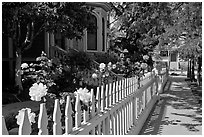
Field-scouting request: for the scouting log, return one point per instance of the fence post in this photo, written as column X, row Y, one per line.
column 43, row 120
column 68, row 116
column 25, row 126
column 98, row 98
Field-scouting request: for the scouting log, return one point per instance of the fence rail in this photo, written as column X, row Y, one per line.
column 119, row 108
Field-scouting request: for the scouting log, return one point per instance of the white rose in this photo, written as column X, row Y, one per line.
column 94, row 75
column 37, row 91
column 102, row 66
column 84, row 95
column 24, row 65
column 125, row 50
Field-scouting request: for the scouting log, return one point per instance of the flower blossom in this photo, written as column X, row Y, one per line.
column 114, row 66
column 24, row 65
column 84, row 95
column 106, row 74
column 31, row 116
column 102, row 67
column 94, row 75
column 145, row 57
column 137, row 63
column 37, row 91
column 144, row 65
column 122, row 55
column 125, row 51
column 109, row 66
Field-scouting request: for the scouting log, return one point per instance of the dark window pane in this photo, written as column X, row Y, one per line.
column 92, row 35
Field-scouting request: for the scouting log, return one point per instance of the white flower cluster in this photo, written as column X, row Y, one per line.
column 145, row 57
column 31, row 116
column 24, row 66
column 102, row 67
column 84, row 94
column 37, row 91
column 144, row 65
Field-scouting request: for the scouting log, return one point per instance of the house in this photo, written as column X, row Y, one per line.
column 92, row 41
column 173, row 60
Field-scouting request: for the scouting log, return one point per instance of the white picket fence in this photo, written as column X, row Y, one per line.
column 119, row 108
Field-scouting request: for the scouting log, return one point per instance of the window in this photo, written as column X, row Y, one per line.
column 164, row 53
column 59, row 40
column 92, row 34
column 173, row 57
column 103, row 35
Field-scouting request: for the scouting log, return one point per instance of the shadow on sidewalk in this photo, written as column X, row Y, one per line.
column 178, row 96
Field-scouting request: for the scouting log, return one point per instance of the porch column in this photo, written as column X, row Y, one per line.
column 47, row 43
column 10, row 58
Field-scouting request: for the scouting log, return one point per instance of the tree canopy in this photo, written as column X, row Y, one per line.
column 70, row 18
column 144, row 25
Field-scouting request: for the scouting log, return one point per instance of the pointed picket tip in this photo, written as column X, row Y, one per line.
column 57, row 127
column 43, row 120
column 4, row 129
column 25, row 126
column 68, row 116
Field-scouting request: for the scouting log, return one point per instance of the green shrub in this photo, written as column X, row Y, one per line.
column 105, row 58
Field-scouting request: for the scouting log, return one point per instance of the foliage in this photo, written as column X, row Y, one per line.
column 58, row 76
column 24, row 21
column 105, row 58
column 185, row 33
column 140, row 25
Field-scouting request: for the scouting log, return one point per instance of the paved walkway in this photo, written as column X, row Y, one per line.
column 179, row 111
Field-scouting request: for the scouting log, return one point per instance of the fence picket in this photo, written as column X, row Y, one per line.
column 118, row 122
column 123, row 88
column 116, row 92
column 57, row 127
column 25, row 126
column 107, row 96
column 111, row 125
column 102, row 98
column 98, row 98
column 110, row 94
column 43, row 120
column 115, row 123
column 4, row 129
column 68, row 116
column 78, row 112
column 86, row 116
column 92, row 104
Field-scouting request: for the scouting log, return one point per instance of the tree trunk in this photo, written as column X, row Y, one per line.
column 18, row 82
column 193, row 70
column 188, row 72
column 199, row 71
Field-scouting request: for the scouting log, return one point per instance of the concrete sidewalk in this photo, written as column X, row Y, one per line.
column 178, row 112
